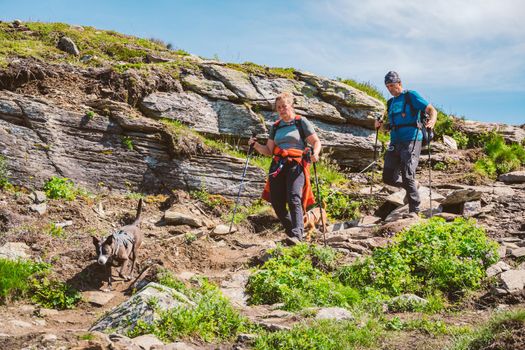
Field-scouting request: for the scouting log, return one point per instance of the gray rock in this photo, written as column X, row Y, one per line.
column 97, row 298
column 47, row 312
column 186, row 107
column 497, row 268
column 221, row 229
column 120, row 341
column 424, row 207
column 138, row 307
column 147, row 341
column 450, row 142
column 368, row 220
column 49, row 338
column 509, row 132
column 461, row 196
column 236, row 81
column 17, row 23
column 14, row 251
column 513, row 177
column 400, row 198
column 175, row 218
column 513, row 280
column 175, row 346
column 211, row 88
column 471, row 208
column 20, row 324
column 66, row 44
column 39, row 208
column 518, row 252
column 334, row 313
column 38, row 197
column 406, row 302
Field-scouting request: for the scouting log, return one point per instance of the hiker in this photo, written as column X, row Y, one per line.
column 406, row 136
column 289, row 175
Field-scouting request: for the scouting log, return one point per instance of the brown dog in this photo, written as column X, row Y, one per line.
column 313, row 218
column 121, row 247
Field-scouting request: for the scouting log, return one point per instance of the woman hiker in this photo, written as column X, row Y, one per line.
column 289, row 175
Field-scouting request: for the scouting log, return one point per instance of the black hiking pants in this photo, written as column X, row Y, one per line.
column 400, row 170
column 287, row 188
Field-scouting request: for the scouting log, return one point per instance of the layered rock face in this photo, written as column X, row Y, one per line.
column 225, row 101
column 45, row 131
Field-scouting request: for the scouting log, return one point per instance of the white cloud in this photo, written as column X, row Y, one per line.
column 476, row 44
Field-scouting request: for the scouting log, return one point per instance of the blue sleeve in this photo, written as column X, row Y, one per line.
column 418, row 102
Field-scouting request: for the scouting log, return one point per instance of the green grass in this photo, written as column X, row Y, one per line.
column 425, row 325
column 127, row 142
column 253, row 68
column 15, row 278
column 366, row 87
column 500, row 158
column 499, row 330
column 323, row 335
column 55, row 231
column 4, row 173
column 212, row 319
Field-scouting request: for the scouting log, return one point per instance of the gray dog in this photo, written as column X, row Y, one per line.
column 121, row 247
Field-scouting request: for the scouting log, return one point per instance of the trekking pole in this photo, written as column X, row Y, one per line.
column 375, row 159
column 250, row 150
column 429, row 130
column 320, row 201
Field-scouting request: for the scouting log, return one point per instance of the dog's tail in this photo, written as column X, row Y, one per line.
column 138, row 218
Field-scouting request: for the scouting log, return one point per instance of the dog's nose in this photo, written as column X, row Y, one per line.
column 102, row 260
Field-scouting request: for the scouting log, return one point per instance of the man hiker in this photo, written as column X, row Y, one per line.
column 406, row 124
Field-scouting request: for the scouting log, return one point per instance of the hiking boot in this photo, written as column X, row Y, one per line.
column 291, row 241
column 411, row 215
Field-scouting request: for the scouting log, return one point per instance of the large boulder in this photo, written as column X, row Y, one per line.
column 144, row 306
column 509, row 132
column 513, row 177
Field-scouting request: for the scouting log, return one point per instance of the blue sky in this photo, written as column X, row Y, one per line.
column 466, row 57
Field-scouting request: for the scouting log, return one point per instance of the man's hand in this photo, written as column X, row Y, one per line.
column 378, row 123
column 252, row 141
column 315, row 157
column 432, row 117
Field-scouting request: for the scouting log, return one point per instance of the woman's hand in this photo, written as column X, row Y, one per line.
column 315, row 157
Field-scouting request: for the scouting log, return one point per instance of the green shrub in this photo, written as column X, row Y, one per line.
column 60, row 188
column 212, row 319
column 322, row 335
column 339, row 205
column 290, row 277
column 15, row 278
column 440, row 166
column 434, row 255
column 501, row 158
column 90, row 115
column 54, row 294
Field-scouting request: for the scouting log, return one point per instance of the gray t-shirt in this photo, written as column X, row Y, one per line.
column 287, row 135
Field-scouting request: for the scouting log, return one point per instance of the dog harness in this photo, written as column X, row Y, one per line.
column 122, row 238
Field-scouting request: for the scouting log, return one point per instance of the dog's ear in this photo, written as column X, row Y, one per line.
column 96, row 241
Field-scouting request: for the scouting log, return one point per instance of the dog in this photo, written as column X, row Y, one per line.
column 313, row 218
column 121, row 247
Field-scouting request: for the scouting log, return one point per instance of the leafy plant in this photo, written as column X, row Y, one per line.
column 501, row 158
column 322, row 335
column 127, row 142
column 90, row 115
column 435, row 255
column 290, row 277
column 15, row 277
column 4, row 173
column 54, row 294
column 55, row 231
column 60, row 188
column 212, row 319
